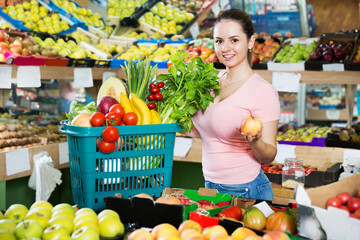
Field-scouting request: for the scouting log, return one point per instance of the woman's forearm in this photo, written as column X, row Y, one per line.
column 263, row 152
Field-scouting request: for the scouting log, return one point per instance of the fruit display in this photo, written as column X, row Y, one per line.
column 189, row 6
column 160, row 23
column 171, row 13
column 346, row 202
column 82, row 14
column 137, row 52
column 45, row 221
column 206, row 53
column 123, row 9
column 278, row 169
column 332, row 50
column 294, row 53
column 302, row 134
column 80, row 37
column 37, row 17
column 163, row 53
column 265, row 50
column 111, row 48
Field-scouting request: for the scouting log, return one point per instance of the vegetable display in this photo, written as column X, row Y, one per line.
column 77, row 108
column 187, row 89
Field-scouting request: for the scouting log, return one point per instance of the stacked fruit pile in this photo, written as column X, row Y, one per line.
column 332, row 50
column 80, row 13
column 294, row 53
column 15, row 45
column 303, row 134
column 265, row 50
column 206, row 53
column 162, row 54
column 37, row 17
column 346, row 202
column 123, row 9
column 137, row 52
column 43, row 221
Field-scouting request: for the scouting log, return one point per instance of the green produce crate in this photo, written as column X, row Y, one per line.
column 141, row 163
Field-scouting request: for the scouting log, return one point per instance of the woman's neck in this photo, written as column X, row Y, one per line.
column 239, row 73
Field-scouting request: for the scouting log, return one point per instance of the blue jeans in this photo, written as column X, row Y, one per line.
column 259, row 188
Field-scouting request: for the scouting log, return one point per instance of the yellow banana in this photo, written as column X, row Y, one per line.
column 142, row 108
column 139, row 122
column 125, row 103
column 155, row 118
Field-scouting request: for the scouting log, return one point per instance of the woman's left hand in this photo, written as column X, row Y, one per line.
column 248, row 137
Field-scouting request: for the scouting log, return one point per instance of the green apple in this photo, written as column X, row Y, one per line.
column 7, row 224
column 85, row 233
column 28, row 229
column 88, row 223
column 83, row 210
column 62, row 220
column 65, row 206
column 55, row 231
column 6, row 235
column 41, row 210
column 108, row 212
column 63, row 213
column 39, row 217
column 16, row 212
column 64, row 237
column 110, row 226
column 86, row 215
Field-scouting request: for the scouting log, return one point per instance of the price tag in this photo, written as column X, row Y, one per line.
column 106, row 75
column 28, row 77
column 182, row 146
column 83, row 78
column 284, row 151
column 17, row 161
column 215, row 9
column 286, row 82
column 224, row 4
column 5, row 76
column 332, row 114
column 63, row 153
column 194, row 30
column 264, row 208
column 333, row 67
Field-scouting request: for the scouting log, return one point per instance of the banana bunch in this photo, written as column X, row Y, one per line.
column 139, row 107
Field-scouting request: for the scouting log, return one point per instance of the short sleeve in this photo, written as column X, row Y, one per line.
column 266, row 104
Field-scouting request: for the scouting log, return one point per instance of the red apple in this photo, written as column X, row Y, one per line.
column 25, row 52
column 269, row 41
column 16, row 49
column 251, row 124
column 255, row 59
column 4, row 48
column 18, row 42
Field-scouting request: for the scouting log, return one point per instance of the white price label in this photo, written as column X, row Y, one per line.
column 333, row 67
column 284, row 151
column 28, row 77
column 63, row 153
column 83, row 78
column 194, row 30
column 106, row 75
column 5, row 76
column 286, row 82
column 17, row 161
column 215, row 9
column 332, row 114
column 182, row 146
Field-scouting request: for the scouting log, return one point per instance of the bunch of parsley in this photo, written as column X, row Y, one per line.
column 187, row 89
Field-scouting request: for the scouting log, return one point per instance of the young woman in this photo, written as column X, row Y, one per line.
column 232, row 160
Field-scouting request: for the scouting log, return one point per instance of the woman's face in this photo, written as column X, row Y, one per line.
column 231, row 43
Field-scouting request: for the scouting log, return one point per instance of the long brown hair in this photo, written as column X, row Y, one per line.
column 245, row 22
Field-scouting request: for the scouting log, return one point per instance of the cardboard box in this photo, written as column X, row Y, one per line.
column 314, row 221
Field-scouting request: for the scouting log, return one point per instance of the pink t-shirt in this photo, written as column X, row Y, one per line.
column 227, row 159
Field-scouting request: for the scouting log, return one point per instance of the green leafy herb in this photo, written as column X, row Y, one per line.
column 77, row 108
column 187, row 89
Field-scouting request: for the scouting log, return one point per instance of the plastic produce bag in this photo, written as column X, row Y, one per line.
column 44, row 176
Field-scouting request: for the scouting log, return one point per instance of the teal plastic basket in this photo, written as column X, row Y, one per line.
column 142, row 162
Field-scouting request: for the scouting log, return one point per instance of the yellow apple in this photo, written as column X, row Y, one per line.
column 110, row 226
column 84, row 223
column 55, row 231
column 8, row 225
column 86, row 215
column 83, row 210
column 63, row 213
column 39, row 217
column 42, row 210
column 4, row 234
column 28, row 229
column 85, row 233
column 16, row 212
column 62, row 220
column 64, row 206
column 108, row 212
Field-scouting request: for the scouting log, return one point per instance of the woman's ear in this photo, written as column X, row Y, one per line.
column 251, row 42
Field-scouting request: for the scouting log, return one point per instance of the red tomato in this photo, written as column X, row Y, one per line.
column 353, row 204
column 160, row 84
column 155, row 90
column 152, row 105
column 354, row 216
column 114, row 119
column 335, row 202
column 151, row 97
column 97, row 119
column 345, row 208
column 117, row 108
column 152, row 85
column 110, row 134
column 357, row 212
column 158, row 96
column 281, row 221
column 233, row 212
column 107, row 147
column 130, row 118
column 344, row 197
